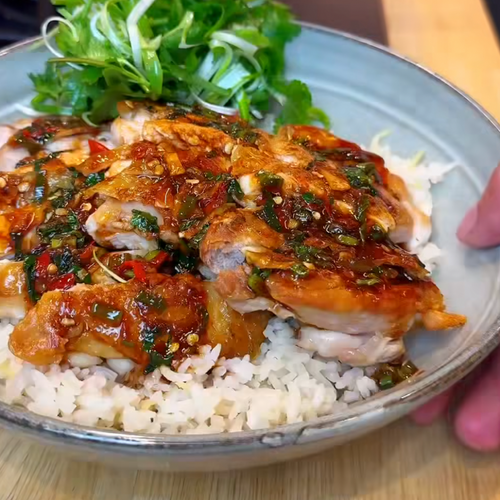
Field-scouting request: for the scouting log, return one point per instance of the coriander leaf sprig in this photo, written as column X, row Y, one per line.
column 227, row 55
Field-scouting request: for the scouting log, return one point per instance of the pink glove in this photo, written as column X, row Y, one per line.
column 477, row 418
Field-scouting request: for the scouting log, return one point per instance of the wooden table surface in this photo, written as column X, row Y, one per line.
column 456, row 39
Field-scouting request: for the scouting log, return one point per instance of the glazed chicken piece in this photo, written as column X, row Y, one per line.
column 336, row 155
column 158, row 322
column 67, row 136
column 27, row 196
column 13, row 293
column 374, row 292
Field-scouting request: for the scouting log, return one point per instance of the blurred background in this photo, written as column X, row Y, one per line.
column 21, row 19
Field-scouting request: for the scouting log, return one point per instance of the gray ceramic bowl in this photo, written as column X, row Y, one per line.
column 366, row 89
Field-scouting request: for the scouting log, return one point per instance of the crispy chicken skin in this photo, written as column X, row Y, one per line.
column 166, row 315
column 302, row 225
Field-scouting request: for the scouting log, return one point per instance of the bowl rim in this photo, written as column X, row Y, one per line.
column 410, row 394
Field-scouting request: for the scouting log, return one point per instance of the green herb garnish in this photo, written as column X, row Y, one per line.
column 256, row 280
column 269, row 180
column 144, row 221
column 148, row 300
column 299, row 270
column 102, row 311
column 94, row 178
column 30, row 270
column 227, row 53
column 311, row 199
column 269, row 215
column 188, row 206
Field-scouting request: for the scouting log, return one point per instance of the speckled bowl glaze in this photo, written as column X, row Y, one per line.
column 366, row 89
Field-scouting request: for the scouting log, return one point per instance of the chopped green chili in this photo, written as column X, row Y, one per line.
column 188, row 206
column 269, row 180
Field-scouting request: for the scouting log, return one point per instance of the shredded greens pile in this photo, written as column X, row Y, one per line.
column 227, row 55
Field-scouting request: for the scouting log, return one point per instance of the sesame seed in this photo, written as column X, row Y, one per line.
column 3, row 182
column 228, row 148
column 181, row 235
column 86, row 207
column 278, row 200
column 23, row 187
column 67, row 322
column 192, row 181
column 309, row 265
column 174, row 347
column 52, row 269
column 192, row 338
column 317, row 215
column 61, row 211
column 293, row 224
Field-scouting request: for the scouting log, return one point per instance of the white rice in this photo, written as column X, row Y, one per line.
column 208, row 394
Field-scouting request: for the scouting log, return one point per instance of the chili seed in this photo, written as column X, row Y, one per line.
column 67, row 322
column 278, row 200
column 86, row 207
column 192, row 181
column 159, row 170
column 23, row 187
column 174, row 347
column 61, row 211
column 192, row 339
column 52, row 269
column 317, row 215
column 293, row 224
column 3, row 183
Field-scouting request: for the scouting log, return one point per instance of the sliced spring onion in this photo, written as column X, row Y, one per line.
column 133, row 30
column 106, row 270
column 236, row 41
column 46, row 36
column 222, row 110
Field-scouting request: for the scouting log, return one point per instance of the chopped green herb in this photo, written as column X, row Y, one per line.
column 363, row 176
column 196, row 240
column 102, row 311
column 188, row 206
column 377, row 233
column 64, row 261
column 62, row 200
column 94, row 178
column 57, row 227
column 386, row 382
column 345, row 239
column 311, row 199
column 152, row 255
column 269, row 180
column 216, row 177
column 30, row 270
column 256, row 280
column 234, row 190
column 368, row 281
column 144, row 221
column 156, row 360
column 269, row 215
column 148, row 300
column 185, row 263
column 188, row 224
column 299, row 270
